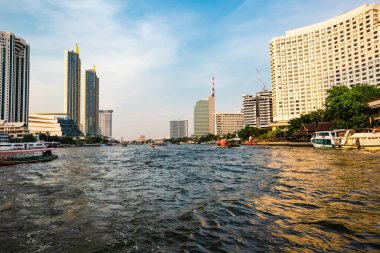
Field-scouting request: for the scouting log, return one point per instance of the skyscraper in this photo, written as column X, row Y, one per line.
column 178, row 129
column 14, row 78
column 307, row 62
column 201, row 118
column 72, row 85
column 105, row 123
column 257, row 110
column 91, row 103
column 204, row 114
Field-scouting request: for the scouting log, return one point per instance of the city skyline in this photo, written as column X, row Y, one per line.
column 152, row 70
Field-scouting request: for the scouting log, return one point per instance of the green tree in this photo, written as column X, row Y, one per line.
column 248, row 131
column 28, row 138
column 348, row 107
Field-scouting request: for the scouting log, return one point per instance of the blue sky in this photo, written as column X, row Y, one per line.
column 155, row 59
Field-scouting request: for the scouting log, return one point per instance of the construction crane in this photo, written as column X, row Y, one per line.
column 261, row 81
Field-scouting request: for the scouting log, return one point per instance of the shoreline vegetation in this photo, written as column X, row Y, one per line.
column 346, row 107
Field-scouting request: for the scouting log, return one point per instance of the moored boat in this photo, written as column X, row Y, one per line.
column 14, row 157
column 368, row 139
column 326, row 139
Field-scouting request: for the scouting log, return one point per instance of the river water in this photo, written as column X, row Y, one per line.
column 195, row 198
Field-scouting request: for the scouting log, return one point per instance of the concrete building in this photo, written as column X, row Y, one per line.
column 91, row 103
column 257, row 110
column 105, row 122
column 179, row 129
column 228, row 123
column 14, row 78
column 14, row 129
column 204, row 114
column 72, row 85
column 44, row 123
column 201, row 118
column 307, row 62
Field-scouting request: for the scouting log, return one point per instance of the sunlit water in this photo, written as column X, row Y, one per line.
column 192, row 199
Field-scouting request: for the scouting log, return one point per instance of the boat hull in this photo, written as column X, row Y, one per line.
column 36, row 159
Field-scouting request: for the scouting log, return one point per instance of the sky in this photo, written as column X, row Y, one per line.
column 155, row 59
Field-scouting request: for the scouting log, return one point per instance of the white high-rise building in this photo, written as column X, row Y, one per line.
column 307, row 62
column 105, row 122
column 257, row 110
column 227, row 123
column 179, row 129
column 14, row 78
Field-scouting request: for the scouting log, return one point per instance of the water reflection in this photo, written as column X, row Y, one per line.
column 192, row 198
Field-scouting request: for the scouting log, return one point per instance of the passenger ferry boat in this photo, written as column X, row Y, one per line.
column 18, row 146
column 325, row 139
column 14, row 157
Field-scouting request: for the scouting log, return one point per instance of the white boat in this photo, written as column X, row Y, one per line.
column 325, row 139
column 11, row 146
column 19, row 146
column 365, row 139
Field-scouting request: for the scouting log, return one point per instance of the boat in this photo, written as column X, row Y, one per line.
column 326, row 139
column 14, row 157
column 18, row 146
column 224, row 143
column 368, row 139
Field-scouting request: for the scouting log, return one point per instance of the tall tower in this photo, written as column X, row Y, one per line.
column 72, row 85
column 14, row 78
column 91, row 103
column 211, row 106
column 105, row 123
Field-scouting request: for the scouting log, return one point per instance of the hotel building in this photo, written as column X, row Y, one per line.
column 228, row 123
column 72, row 85
column 257, row 110
column 105, row 123
column 307, row 62
column 14, row 78
column 91, row 103
column 179, row 129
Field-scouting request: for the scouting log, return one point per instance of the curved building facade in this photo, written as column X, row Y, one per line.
column 307, row 62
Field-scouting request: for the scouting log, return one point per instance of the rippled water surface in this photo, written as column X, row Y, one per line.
column 192, row 199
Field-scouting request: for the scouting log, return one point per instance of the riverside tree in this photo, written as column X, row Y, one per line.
column 348, row 107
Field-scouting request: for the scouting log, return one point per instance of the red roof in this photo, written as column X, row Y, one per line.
column 325, row 126
column 21, row 151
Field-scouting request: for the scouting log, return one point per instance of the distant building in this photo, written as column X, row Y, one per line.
column 44, row 123
column 14, row 78
column 201, row 118
column 307, row 62
column 257, row 110
column 14, row 129
column 179, row 129
column 140, row 138
column 228, row 123
column 72, row 85
column 4, row 137
column 68, row 127
column 204, row 114
column 105, row 122
column 91, row 103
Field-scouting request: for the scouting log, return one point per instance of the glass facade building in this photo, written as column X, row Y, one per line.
column 105, row 123
column 72, row 85
column 91, row 103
